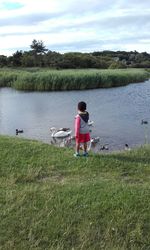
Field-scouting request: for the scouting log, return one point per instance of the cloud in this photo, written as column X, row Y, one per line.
column 27, row 19
column 73, row 25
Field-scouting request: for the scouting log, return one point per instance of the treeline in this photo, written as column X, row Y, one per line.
column 39, row 56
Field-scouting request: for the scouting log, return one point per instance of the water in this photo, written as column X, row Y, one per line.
column 116, row 112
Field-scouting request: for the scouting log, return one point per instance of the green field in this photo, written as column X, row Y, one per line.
column 50, row 80
column 51, row 200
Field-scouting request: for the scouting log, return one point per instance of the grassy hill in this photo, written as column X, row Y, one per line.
column 51, row 200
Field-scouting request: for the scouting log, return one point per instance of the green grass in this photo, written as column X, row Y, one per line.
column 49, row 80
column 51, row 200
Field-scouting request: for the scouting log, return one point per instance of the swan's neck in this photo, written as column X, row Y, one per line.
column 53, row 132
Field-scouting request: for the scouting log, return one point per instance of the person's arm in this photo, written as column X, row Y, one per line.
column 77, row 127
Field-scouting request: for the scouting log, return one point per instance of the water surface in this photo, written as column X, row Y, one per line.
column 116, row 112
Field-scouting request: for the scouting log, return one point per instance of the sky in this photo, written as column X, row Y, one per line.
column 75, row 25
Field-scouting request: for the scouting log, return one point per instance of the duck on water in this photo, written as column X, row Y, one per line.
column 19, row 131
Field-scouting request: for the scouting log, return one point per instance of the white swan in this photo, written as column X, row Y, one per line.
column 95, row 139
column 90, row 123
column 63, row 132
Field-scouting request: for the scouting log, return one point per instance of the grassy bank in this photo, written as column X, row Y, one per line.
column 49, row 80
column 51, row 200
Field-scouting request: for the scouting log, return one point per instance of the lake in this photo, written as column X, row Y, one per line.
column 116, row 112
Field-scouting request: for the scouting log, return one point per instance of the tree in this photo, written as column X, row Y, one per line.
column 3, row 61
column 16, row 58
column 52, row 59
column 117, row 65
column 27, row 59
column 38, row 49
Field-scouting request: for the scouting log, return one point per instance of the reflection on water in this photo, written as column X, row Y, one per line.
column 117, row 114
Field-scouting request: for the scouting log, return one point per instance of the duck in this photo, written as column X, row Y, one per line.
column 144, row 122
column 19, row 131
column 104, row 147
column 60, row 133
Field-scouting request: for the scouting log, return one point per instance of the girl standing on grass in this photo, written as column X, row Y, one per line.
column 82, row 134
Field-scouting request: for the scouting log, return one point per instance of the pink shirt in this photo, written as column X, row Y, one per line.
column 77, row 126
column 80, row 137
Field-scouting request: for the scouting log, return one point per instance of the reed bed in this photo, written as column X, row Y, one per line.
column 7, row 78
column 52, row 80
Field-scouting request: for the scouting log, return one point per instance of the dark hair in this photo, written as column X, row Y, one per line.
column 82, row 106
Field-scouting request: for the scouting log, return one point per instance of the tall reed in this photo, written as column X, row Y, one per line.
column 50, row 80
column 7, row 78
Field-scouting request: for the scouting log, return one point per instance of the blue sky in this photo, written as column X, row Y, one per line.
column 75, row 25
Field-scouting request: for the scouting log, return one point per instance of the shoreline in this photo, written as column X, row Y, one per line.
column 108, row 151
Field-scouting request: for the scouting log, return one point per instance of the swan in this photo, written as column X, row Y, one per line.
column 90, row 123
column 127, row 147
column 93, row 142
column 95, row 139
column 63, row 132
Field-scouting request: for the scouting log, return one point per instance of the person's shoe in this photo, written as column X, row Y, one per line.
column 76, row 155
column 85, row 154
